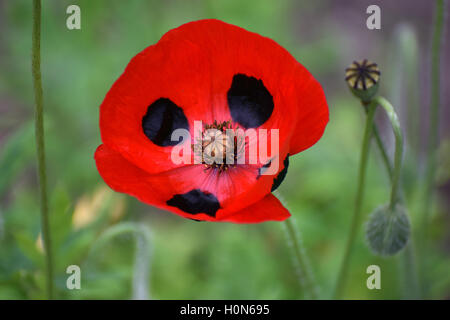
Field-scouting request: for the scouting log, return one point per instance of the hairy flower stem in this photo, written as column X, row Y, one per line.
column 307, row 282
column 308, row 285
column 356, row 220
column 39, row 127
column 383, row 151
column 433, row 130
column 408, row 257
column 143, row 255
column 395, row 176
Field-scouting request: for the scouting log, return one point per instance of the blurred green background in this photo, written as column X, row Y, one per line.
column 129, row 250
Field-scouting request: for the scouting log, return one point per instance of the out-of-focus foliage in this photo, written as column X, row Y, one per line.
column 190, row 260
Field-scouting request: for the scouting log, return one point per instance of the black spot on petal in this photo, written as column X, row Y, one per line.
column 250, row 103
column 162, row 118
column 281, row 175
column 263, row 168
column 195, row 201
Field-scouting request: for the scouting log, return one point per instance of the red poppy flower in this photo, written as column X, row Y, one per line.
column 226, row 77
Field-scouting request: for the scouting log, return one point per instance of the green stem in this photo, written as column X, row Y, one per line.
column 433, row 137
column 383, row 152
column 143, row 255
column 409, row 271
column 386, row 105
column 408, row 256
column 356, row 220
column 39, row 124
column 433, row 130
column 306, row 278
column 381, row 147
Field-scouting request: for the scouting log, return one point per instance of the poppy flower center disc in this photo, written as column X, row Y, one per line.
column 219, row 146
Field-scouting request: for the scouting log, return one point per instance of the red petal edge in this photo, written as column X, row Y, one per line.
column 123, row 176
column 267, row 209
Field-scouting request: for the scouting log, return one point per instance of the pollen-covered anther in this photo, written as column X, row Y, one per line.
column 219, row 147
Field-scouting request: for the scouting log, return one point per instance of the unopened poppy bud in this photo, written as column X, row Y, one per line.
column 363, row 79
column 388, row 230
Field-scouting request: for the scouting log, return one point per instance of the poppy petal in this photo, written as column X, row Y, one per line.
column 312, row 118
column 249, row 101
column 255, row 79
column 162, row 118
column 267, row 209
column 211, row 71
column 235, row 188
column 187, row 191
column 281, row 175
column 224, row 187
column 163, row 88
column 122, row 176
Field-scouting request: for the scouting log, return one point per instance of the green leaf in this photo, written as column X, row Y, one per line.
column 60, row 217
column 28, row 247
column 16, row 155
